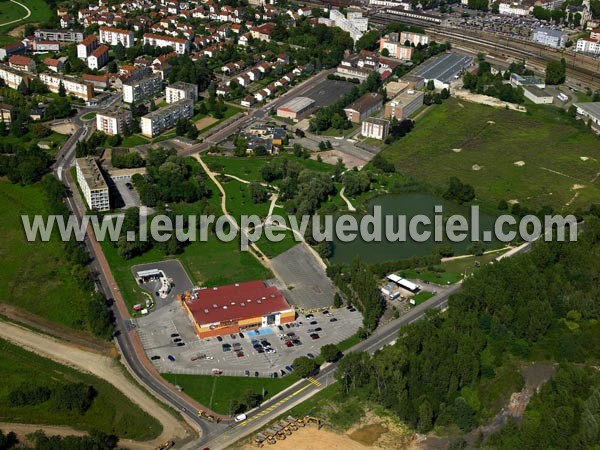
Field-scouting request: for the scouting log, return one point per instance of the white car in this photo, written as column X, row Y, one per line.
column 240, row 418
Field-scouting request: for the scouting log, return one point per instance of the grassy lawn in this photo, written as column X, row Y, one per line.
column 110, row 411
column 229, row 112
column 28, row 139
column 88, row 116
column 467, row 265
column 35, row 275
column 432, row 277
column 239, row 202
column 40, row 12
column 133, row 140
column 549, row 143
column 272, row 249
column 422, row 297
column 333, row 132
column 217, row 392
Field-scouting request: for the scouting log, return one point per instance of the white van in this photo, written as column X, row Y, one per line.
column 240, row 418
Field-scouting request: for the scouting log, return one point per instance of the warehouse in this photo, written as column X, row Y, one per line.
column 295, row 108
column 443, row 69
column 236, row 307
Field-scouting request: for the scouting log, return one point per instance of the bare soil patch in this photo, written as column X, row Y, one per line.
column 205, row 122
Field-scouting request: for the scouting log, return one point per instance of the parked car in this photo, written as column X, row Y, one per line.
column 315, row 336
column 318, row 329
column 177, row 340
column 155, row 357
column 280, row 327
column 256, row 374
column 247, row 373
column 171, row 358
column 283, row 372
column 333, row 319
column 325, row 312
column 289, row 368
column 297, row 342
column 226, row 347
column 219, row 338
column 240, row 354
column 314, row 322
column 232, row 336
column 310, row 316
column 175, row 335
column 310, row 355
column 241, row 335
column 180, row 344
column 289, row 344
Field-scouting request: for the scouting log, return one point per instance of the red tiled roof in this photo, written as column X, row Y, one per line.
column 19, row 60
column 236, row 302
column 99, row 51
column 115, row 30
column 90, row 39
column 165, row 38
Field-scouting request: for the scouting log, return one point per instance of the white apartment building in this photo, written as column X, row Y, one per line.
column 112, row 122
column 98, row 58
column 393, row 43
column 12, row 77
column 588, row 45
column 162, row 119
column 514, row 9
column 137, row 90
column 92, row 184
column 112, row 36
column 87, row 46
column 375, row 128
column 414, row 38
column 355, row 24
column 73, row 86
column 180, row 46
column 180, row 91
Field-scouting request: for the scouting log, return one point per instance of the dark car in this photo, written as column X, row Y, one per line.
column 349, row 307
column 155, row 357
column 177, row 340
column 353, row 309
column 255, row 374
column 175, row 335
column 297, row 342
column 289, row 368
column 259, row 350
column 265, row 343
column 240, row 354
column 247, row 373
column 310, row 355
column 226, row 347
column 171, row 358
column 129, row 185
column 219, row 338
column 280, row 327
column 315, row 336
column 232, row 336
column 180, row 344
column 283, row 372
column 287, row 325
column 257, row 347
column 318, row 329
column 314, row 322
column 291, row 333
column 241, row 335
column 275, row 375
column 325, row 312
column 333, row 319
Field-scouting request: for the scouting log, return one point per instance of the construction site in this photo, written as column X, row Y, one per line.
column 282, row 429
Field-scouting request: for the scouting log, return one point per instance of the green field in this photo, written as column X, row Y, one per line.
column 422, row 297
column 239, row 201
column 217, row 392
column 441, row 277
column 110, row 411
column 35, row 275
column 133, row 140
column 273, row 249
column 88, row 116
column 552, row 147
column 9, row 11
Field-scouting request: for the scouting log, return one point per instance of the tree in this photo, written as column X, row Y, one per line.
column 331, row 352
column 119, row 51
column 337, row 301
column 76, row 397
column 556, row 71
column 258, row 193
column 368, row 41
column 62, row 92
column 112, row 67
column 385, row 53
column 459, row 192
column 305, row 366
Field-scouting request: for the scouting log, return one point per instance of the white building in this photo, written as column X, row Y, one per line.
column 137, row 90
column 394, row 44
column 179, row 45
column 180, row 91
column 92, row 184
column 12, row 77
column 549, row 37
column 514, row 9
column 162, row 119
column 87, row 46
column 98, row 58
column 589, row 111
column 73, row 86
column 112, row 36
column 112, row 122
column 355, row 24
column 588, row 45
column 375, row 128
column 414, row 38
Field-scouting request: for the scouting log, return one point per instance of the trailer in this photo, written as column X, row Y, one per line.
column 408, row 285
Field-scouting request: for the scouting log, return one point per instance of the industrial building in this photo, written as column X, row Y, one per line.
column 112, row 122
column 236, row 307
column 404, row 104
column 92, row 184
column 139, row 89
column 162, row 119
column 443, row 69
column 295, row 108
column 181, row 91
column 589, row 111
column 375, row 128
column 363, row 107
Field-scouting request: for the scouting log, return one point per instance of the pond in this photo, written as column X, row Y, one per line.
column 411, row 205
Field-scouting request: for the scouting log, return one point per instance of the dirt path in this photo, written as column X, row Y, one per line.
column 351, row 207
column 101, row 366
column 75, row 337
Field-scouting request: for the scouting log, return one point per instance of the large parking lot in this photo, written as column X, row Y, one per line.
column 255, row 354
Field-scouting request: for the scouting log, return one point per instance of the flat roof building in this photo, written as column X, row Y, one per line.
column 443, row 69
column 92, row 183
column 589, row 111
column 404, row 104
column 162, row 119
column 180, row 91
column 113, row 122
column 537, row 95
column 375, row 128
column 236, row 307
column 137, row 89
column 295, row 107
column 363, row 107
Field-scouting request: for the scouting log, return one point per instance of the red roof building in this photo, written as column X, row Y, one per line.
column 236, row 307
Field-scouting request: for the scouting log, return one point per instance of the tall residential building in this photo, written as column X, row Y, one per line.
column 395, row 45
column 92, row 183
column 73, row 86
column 180, row 91
column 354, row 24
column 180, row 45
column 112, row 122
column 112, row 36
column 98, row 58
column 414, row 38
column 59, row 35
column 137, row 90
column 162, row 119
column 588, row 45
column 87, row 46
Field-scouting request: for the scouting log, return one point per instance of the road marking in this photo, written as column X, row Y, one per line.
column 276, row 405
column 315, row 382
